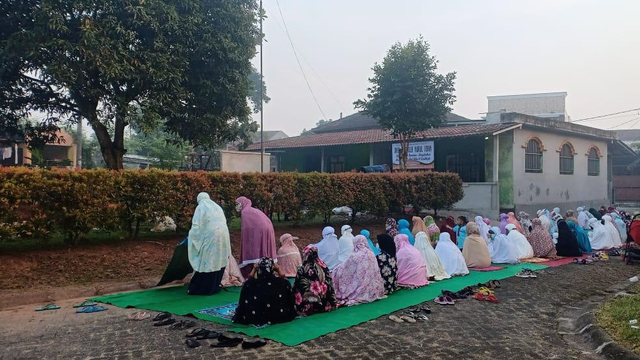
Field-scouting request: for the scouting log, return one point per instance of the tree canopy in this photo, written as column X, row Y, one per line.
column 407, row 95
column 180, row 65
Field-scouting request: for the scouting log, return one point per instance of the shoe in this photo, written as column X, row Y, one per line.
column 192, row 343
column 254, row 344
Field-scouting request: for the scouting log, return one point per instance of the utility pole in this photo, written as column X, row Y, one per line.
column 79, row 144
column 261, row 102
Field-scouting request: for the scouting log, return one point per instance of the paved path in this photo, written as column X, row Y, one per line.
column 523, row 325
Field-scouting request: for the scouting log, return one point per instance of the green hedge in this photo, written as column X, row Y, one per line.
column 35, row 203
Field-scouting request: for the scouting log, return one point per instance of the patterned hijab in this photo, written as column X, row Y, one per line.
column 391, row 227
column 265, row 268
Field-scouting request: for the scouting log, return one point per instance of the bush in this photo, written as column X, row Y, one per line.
column 35, row 203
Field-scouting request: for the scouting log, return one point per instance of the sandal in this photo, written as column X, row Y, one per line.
column 162, row 316
column 408, row 319
column 183, row 324
column 440, row 300
column 90, row 309
column 209, row 335
column 165, row 322
column 48, row 307
column 192, row 343
column 85, row 304
column 492, row 298
column 396, row 319
column 224, row 341
column 485, row 291
column 479, row 296
column 196, row 332
column 422, row 317
column 139, row 316
column 449, row 300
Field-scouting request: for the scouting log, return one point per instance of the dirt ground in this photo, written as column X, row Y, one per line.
column 101, row 266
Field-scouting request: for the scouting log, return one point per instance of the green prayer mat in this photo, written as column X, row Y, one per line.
column 176, row 301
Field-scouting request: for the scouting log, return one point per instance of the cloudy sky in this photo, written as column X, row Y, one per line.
column 588, row 48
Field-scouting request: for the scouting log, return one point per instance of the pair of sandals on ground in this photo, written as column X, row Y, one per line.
column 412, row 315
column 482, row 292
column 85, row 307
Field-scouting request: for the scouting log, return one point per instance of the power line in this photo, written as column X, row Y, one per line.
column 606, row 115
column 298, row 61
column 313, row 70
column 626, row 122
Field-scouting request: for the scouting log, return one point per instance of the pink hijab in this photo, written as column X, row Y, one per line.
column 412, row 269
column 232, row 275
column 258, row 236
column 289, row 256
column 357, row 280
column 512, row 220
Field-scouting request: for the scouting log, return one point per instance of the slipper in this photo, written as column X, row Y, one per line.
column 254, row 344
column 196, row 332
column 449, row 300
column 494, row 284
column 522, row 274
column 408, row 319
column 229, row 342
column 192, row 343
column 208, row 335
column 485, row 291
column 183, row 324
column 492, row 298
column 480, row 297
column 165, row 322
column 90, row 309
column 162, row 316
column 396, row 319
column 139, row 316
column 422, row 317
column 48, row 307
column 85, row 304
column 440, row 300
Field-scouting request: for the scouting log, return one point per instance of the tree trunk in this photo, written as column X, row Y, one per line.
column 112, row 151
column 404, row 152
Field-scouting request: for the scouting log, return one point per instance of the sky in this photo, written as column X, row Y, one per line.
column 588, row 48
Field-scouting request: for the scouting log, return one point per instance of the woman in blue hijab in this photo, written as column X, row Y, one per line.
column 367, row 235
column 581, row 236
column 403, row 228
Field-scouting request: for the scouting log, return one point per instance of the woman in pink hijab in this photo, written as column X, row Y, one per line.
column 512, row 220
column 288, row 256
column 412, row 269
column 357, row 280
column 258, row 236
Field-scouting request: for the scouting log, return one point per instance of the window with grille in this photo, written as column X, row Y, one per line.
column 533, row 157
column 593, row 163
column 566, row 160
column 336, row 164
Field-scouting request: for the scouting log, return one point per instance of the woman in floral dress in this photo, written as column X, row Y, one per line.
column 313, row 288
column 387, row 263
column 358, row 279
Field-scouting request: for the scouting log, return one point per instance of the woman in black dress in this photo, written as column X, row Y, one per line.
column 567, row 242
column 387, row 263
column 266, row 297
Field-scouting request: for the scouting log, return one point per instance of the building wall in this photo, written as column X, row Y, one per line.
column 532, row 191
column 506, row 170
column 479, row 198
column 241, row 161
column 532, row 104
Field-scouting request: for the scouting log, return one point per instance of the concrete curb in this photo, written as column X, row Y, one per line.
column 578, row 326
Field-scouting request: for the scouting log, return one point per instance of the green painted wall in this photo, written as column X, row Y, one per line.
column 488, row 159
column 308, row 159
column 505, row 170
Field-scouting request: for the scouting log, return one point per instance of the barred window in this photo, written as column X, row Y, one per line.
column 593, row 163
column 566, row 160
column 533, row 157
column 337, row 164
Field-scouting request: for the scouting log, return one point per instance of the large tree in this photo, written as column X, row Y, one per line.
column 407, row 95
column 179, row 65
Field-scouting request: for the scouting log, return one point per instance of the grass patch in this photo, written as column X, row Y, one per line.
column 614, row 316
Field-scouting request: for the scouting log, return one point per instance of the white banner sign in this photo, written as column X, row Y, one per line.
column 421, row 155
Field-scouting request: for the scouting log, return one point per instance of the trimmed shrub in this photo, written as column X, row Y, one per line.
column 35, row 203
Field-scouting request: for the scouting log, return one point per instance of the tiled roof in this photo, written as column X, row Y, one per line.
column 360, row 121
column 376, row 136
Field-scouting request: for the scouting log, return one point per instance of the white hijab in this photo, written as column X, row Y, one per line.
column 613, row 231
column 328, row 248
column 345, row 243
column 434, row 265
column 544, row 219
column 502, row 249
column 209, row 245
column 525, row 250
column 483, row 228
column 583, row 218
column 450, row 256
column 599, row 237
